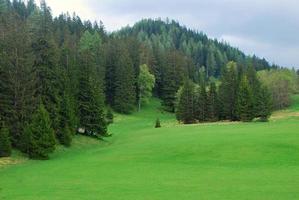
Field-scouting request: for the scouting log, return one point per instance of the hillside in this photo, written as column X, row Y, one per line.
column 161, row 35
column 211, row 161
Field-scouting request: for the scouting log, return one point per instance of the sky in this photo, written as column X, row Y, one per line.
column 266, row 28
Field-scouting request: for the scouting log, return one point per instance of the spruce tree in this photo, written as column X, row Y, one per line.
column 228, row 92
column 212, row 103
column 39, row 135
column 90, row 96
column 63, row 134
column 5, row 144
column 125, row 90
column 185, row 111
column 264, row 104
column 245, row 106
column 46, row 62
column 201, row 103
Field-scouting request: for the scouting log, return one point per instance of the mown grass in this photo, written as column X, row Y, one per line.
column 220, row 161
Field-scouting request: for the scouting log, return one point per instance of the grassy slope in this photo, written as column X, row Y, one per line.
column 209, row 161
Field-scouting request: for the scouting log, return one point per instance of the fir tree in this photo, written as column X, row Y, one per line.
column 5, row 144
column 228, row 92
column 212, row 103
column 264, row 105
column 185, row 111
column 245, row 106
column 125, row 91
column 64, row 131
column 90, row 94
column 201, row 103
column 39, row 135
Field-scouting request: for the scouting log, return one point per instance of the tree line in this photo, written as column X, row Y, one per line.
column 240, row 96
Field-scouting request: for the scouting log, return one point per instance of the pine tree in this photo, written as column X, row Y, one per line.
column 264, row 104
column 201, row 103
column 185, row 111
column 39, row 137
column 228, row 92
column 64, row 132
column 245, row 106
column 212, row 103
column 125, row 91
column 5, row 144
column 46, row 62
column 90, row 94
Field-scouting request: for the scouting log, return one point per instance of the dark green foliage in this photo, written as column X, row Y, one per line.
column 174, row 70
column 90, row 95
column 185, row 111
column 212, row 103
column 204, row 51
column 64, row 131
column 158, row 123
column 264, row 105
column 5, row 144
column 245, row 103
column 201, row 102
column 39, row 135
column 125, row 84
column 228, row 92
column 109, row 116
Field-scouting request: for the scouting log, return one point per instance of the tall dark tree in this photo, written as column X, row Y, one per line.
column 264, row 105
column 201, row 104
column 245, row 103
column 212, row 103
column 125, row 82
column 90, row 96
column 228, row 92
column 46, row 61
column 186, row 103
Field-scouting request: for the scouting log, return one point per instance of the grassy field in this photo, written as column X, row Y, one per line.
column 233, row 161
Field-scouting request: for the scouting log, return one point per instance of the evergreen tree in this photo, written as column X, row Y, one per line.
column 264, row 105
column 212, row 103
column 228, row 92
column 125, row 91
column 245, row 106
column 90, row 95
column 39, row 137
column 64, row 132
column 185, row 111
column 5, row 144
column 46, row 62
column 201, row 103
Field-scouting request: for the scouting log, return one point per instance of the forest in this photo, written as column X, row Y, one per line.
column 61, row 76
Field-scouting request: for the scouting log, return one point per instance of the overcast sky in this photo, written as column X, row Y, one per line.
column 268, row 28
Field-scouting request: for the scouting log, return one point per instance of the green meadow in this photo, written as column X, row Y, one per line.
column 214, row 161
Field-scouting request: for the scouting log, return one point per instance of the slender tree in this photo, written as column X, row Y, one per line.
column 185, row 111
column 146, row 83
column 245, row 104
